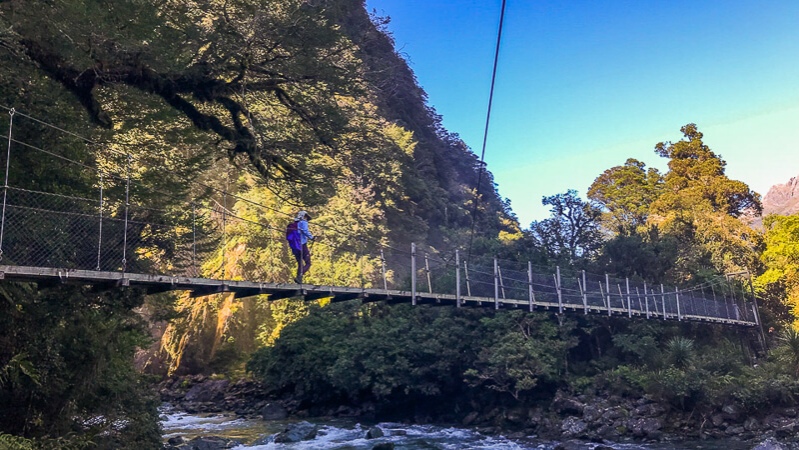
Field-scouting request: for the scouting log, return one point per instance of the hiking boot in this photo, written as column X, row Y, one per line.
column 298, row 280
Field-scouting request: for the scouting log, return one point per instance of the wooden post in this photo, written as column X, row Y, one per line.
column 677, row 296
column 638, row 296
column 413, row 273
column 585, row 294
column 501, row 281
column 496, row 284
column 557, row 286
column 458, row 278
column 383, row 269
column 530, row 292
column 663, row 300
column 427, row 271
column 607, row 288
column 582, row 296
column 629, row 299
column 646, row 301
column 602, row 295
column 468, row 282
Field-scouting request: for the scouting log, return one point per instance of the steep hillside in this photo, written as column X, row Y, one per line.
column 782, row 199
column 441, row 184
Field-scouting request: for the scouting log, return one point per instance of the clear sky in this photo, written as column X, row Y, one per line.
column 583, row 85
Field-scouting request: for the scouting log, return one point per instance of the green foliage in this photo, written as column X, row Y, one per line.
column 779, row 283
column 69, row 362
column 572, row 233
column 521, row 351
column 399, row 355
column 10, row 442
column 787, row 352
column 680, row 352
column 626, row 194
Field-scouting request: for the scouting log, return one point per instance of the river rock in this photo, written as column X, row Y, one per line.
column 570, row 445
column 209, row 443
column 751, row 424
column 208, row 391
column 176, row 440
column 374, row 433
column 274, row 411
column 734, row 430
column 296, row 432
column 573, row 427
column 470, row 418
column 567, row 405
column 769, row 444
column 647, row 427
column 591, row 413
column 731, row 412
column 607, row 432
column 384, row 446
column 649, row 410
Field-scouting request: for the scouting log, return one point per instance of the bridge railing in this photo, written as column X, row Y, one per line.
column 68, row 212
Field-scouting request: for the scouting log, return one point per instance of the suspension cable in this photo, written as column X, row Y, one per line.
column 485, row 131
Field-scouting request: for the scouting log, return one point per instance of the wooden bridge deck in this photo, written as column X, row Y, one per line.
column 199, row 287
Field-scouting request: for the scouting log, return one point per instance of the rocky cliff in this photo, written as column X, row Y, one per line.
column 782, row 199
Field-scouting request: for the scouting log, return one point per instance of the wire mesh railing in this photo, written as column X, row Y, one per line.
column 61, row 211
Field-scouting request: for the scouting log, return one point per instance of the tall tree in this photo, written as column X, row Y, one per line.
column 572, row 232
column 696, row 180
column 262, row 78
column 626, row 194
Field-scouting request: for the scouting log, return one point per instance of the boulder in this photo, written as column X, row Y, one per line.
column 592, row 413
column 374, row 433
column 786, row 431
column 209, row 443
column 769, row 444
column 647, row 427
column 296, row 432
column 731, row 411
column 209, row 391
column 567, row 405
column 751, row 424
column 177, row 440
column 570, row 445
column 274, row 411
column 734, row 430
column 573, row 427
column 516, row 416
column 470, row 418
column 384, row 446
column 649, row 410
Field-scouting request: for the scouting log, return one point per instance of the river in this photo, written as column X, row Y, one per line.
column 350, row 435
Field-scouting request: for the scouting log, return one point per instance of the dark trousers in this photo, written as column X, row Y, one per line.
column 303, row 257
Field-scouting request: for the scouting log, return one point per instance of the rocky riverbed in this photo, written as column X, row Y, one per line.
column 565, row 419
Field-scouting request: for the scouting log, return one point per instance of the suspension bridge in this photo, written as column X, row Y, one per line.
column 93, row 217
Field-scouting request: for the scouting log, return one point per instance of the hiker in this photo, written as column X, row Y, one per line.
column 298, row 235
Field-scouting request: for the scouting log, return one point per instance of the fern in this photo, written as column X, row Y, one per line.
column 10, row 442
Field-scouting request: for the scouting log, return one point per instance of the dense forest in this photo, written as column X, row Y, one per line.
column 267, row 108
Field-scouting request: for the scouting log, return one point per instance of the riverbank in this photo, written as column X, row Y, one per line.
column 564, row 418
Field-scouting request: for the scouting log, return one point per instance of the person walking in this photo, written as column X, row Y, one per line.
column 298, row 235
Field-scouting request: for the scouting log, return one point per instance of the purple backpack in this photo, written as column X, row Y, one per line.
column 293, row 235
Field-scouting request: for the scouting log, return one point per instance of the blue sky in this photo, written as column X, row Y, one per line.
column 583, row 85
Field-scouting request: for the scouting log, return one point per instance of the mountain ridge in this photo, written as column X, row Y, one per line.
column 783, row 198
